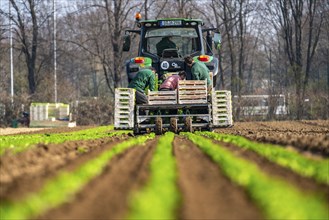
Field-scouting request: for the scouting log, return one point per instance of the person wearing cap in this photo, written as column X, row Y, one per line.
column 165, row 43
column 199, row 70
column 171, row 82
column 144, row 78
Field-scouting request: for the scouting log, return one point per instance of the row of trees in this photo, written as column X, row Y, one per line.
column 268, row 47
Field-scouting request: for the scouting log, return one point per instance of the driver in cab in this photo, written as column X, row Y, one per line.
column 165, row 43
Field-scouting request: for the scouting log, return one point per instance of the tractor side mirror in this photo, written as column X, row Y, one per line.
column 217, row 40
column 209, row 44
column 126, row 42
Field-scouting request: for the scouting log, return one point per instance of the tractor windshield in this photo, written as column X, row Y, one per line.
column 185, row 40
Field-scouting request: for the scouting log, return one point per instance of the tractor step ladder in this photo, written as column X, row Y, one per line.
column 192, row 91
column 162, row 97
column 124, row 108
column 222, row 108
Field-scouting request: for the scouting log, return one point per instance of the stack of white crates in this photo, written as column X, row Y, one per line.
column 124, row 108
column 64, row 111
column 39, row 111
column 47, row 111
column 222, row 108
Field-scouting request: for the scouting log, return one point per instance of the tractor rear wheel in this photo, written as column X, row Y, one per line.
column 158, row 126
column 188, row 124
column 173, row 125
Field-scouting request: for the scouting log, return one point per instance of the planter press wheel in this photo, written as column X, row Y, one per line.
column 158, row 125
column 173, row 125
column 188, row 124
column 136, row 130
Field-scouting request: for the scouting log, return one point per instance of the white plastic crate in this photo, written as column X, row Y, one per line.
column 162, row 97
column 64, row 111
column 192, row 91
column 222, row 108
column 47, row 111
column 124, row 106
column 39, row 112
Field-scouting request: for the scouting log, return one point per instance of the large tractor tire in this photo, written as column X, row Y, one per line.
column 173, row 125
column 188, row 124
column 158, row 126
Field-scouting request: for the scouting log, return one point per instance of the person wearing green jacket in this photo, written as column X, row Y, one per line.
column 199, row 70
column 144, row 78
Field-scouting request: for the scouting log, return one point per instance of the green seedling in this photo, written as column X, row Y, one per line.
column 276, row 198
column 307, row 167
column 160, row 197
column 65, row 185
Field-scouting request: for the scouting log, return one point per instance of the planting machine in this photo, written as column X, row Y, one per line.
column 192, row 106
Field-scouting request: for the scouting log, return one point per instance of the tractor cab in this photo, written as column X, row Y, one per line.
column 165, row 42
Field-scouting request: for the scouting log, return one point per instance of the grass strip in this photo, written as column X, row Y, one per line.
column 65, row 185
column 317, row 169
column 19, row 143
column 160, row 197
column 277, row 199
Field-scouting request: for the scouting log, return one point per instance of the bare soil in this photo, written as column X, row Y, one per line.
column 309, row 137
column 206, row 192
column 27, row 171
column 25, row 130
column 108, row 194
column 6, row 131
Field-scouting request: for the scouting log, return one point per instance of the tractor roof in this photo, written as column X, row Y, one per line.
column 166, row 22
column 172, row 19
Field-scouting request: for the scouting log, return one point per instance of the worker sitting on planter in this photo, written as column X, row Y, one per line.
column 199, row 71
column 171, row 82
column 143, row 79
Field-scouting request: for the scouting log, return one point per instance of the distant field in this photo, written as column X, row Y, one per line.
column 5, row 131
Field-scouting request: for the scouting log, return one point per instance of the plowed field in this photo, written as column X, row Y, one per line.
column 67, row 180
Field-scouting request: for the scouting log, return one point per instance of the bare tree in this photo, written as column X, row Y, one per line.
column 315, row 21
column 291, row 22
column 4, row 45
column 29, row 44
column 27, row 22
column 228, row 20
column 105, row 22
column 183, row 9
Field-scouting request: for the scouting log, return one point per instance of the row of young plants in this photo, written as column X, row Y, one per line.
column 19, row 143
column 277, row 199
column 317, row 169
column 65, row 185
column 160, row 197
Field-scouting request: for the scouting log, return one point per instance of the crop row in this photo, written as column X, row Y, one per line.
column 67, row 183
column 317, row 169
column 160, row 197
column 277, row 199
column 18, row 143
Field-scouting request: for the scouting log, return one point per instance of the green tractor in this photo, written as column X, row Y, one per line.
column 189, row 108
column 187, row 34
